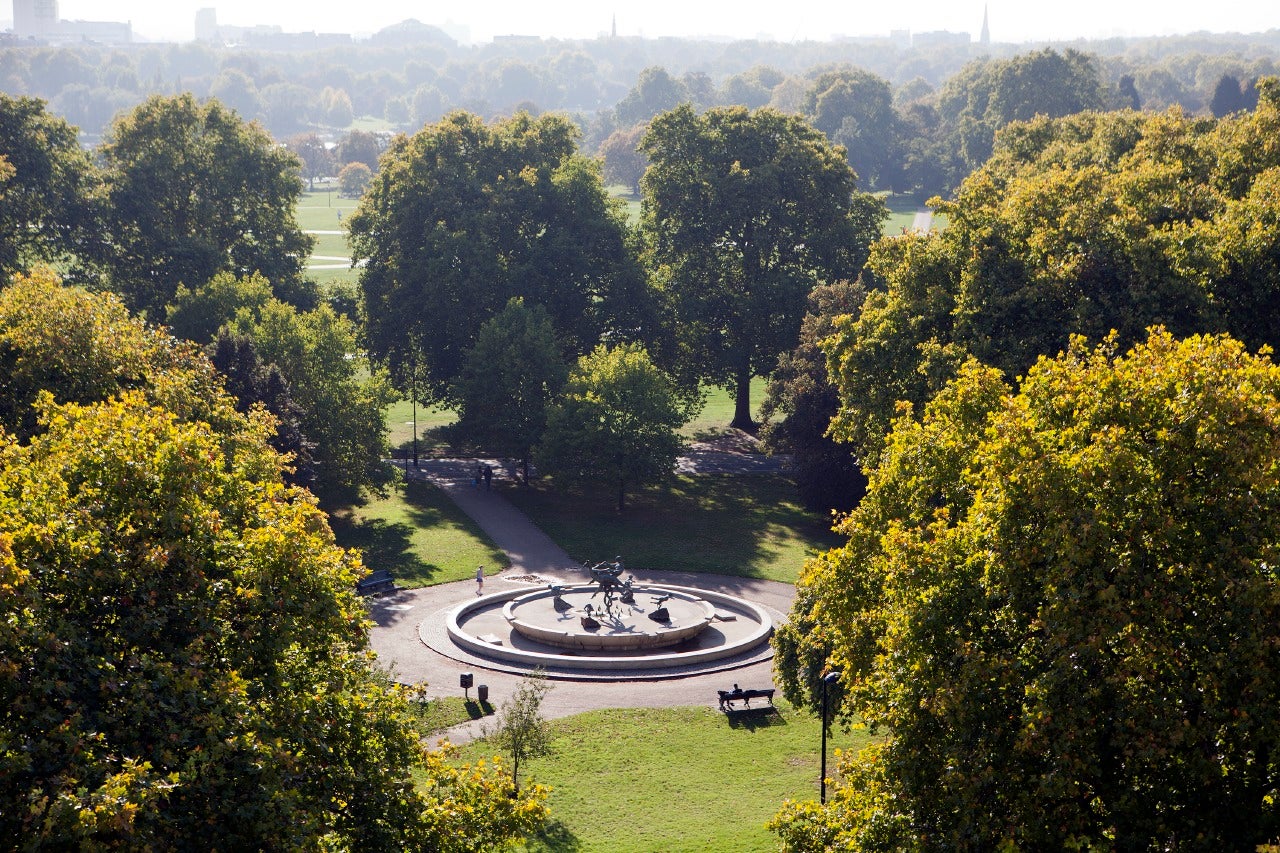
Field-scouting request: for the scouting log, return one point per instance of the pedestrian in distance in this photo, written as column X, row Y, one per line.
column 479, row 579
column 488, row 477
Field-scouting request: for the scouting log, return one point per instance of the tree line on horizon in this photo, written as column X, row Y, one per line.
column 413, row 75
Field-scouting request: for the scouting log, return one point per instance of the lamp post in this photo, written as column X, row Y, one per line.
column 828, row 679
column 413, row 366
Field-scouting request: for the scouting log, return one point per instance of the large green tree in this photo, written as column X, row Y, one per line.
column 509, row 378
column 192, row 190
column 800, row 402
column 988, row 94
column 45, row 209
column 1061, row 607
column 340, row 400
column 854, row 108
column 463, row 216
column 743, row 214
column 183, row 662
column 82, row 347
column 1082, row 225
column 615, row 422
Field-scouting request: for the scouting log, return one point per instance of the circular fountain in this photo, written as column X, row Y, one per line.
column 606, row 629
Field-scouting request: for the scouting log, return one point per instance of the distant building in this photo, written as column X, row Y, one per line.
column 35, row 18
column 985, row 38
column 38, row 19
column 940, row 38
column 207, row 25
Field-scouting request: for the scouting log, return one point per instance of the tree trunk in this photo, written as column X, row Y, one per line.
column 622, row 494
column 742, row 400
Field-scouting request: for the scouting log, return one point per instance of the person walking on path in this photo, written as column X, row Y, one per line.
column 488, row 477
column 479, row 579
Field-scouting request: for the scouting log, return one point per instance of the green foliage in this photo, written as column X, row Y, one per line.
column 616, row 422
column 83, row 347
column 197, row 313
column 1062, row 607
column 182, row 645
column 623, row 162
column 801, row 402
column 1083, row 225
column 744, row 213
column 507, row 381
column 988, row 94
column 464, row 216
column 192, row 190
column 46, row 182
column 520, row 730
column 854, row 108
column 253, row 383
column 354, row 179
column 341, row 403
column 654, row 92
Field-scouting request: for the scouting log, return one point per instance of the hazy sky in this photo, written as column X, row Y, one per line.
column 1011, row 20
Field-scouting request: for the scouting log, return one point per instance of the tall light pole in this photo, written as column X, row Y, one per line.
column 828, row 679
column 413, row 366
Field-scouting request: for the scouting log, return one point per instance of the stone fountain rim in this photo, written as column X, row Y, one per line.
column 641, row 662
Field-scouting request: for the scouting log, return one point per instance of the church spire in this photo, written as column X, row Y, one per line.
column 985, row 38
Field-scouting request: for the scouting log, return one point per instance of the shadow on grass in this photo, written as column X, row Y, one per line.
column 555, row 837
column 388, row 543
column 717, row 523
column 753, row 719
column 476, row 710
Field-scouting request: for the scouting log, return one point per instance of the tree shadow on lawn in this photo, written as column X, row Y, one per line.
column 389, row 544
column 708, row 523
column 555, row 837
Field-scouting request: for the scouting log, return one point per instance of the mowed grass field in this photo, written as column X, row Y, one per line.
column 416, row 532
column 743, row 525
column 319, row 211
column 675, row 779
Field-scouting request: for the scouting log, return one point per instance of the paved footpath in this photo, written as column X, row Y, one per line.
column 397, row 615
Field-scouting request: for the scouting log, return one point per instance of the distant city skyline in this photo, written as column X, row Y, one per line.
column 1011, row 21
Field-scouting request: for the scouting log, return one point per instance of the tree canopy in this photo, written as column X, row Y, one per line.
column 508, row 380
column 340, row 400
column 743, row 214
column 463, row 216
column 46, row 185
column 183, row 660
column 1061, row 606
column 191, row 191
column 1081, row 225
column 615, row 422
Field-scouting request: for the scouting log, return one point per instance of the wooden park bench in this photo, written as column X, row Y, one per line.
column 737, row 694
column 376, row 582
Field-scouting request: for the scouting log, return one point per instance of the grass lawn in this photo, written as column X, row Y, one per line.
column 318, row 210
column 677, row 779
column 902, row 212
column 418, row 534
column 714, row 418
column 747, row 526
column 399, row 419
column 718, row 411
